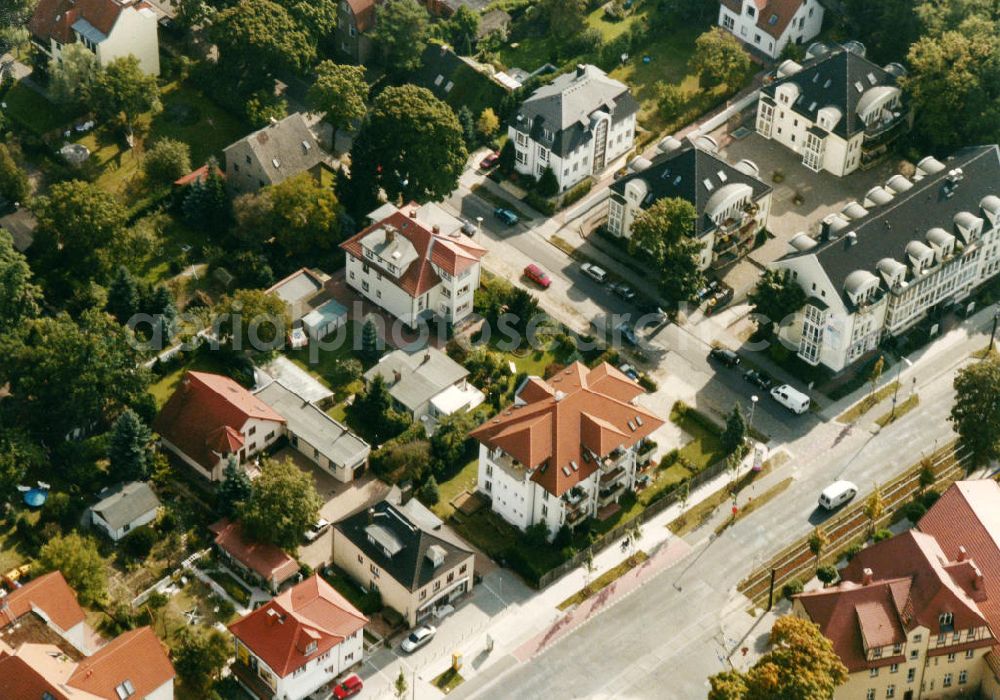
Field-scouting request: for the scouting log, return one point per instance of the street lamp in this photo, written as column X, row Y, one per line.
column 899, row 371
column 993, row 333
column 479, row 224
column 753, row 405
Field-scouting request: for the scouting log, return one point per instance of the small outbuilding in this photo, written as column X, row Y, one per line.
column 124, row 508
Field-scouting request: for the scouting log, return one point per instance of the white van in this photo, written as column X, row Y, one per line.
column 837, row 494
column 791, row 398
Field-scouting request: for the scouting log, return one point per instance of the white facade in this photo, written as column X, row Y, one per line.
column 116, row 535
column 311, row 676
column 134, row 33
column 258, row 434
column 746, row 24
column 523, row 502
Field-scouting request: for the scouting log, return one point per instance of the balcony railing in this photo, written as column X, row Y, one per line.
column 576, row 516
column 605, row 496
column 882, row 130
column 612, row 477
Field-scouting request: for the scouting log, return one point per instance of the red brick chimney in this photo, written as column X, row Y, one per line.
column 867, row 577
column 962, row 554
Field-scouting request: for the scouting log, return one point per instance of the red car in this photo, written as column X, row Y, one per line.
column 537, row 275
column 347, row 688
column 489, row 161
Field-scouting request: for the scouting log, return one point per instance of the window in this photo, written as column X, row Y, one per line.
column 423, row 594
column 890, row 691
column 947, row 680
column 873, row 673
column 249, row 162
column 451, row 576
column 545, row 511
column 870, row 695
column 462, row 568
column 488, row 486
column 897, row 649
column 269, row 436
column 951, row 658
column 252, row 430
column 364, row 285
column 728, row 22
column 914, row 653
column 911, row 674
column 521, row 157
column 489, row 470
column 894, row 668
column 877, row 653
column 374, row 570
column 963, row 677
column 970, row 653
column 437, row 586
column 361, row 559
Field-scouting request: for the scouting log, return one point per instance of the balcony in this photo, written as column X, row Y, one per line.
column 606, row 496
column 249, row 679
column 614, row 460
column 611, row 477
column 576, row 517
column 645, row 452
column 574, row 497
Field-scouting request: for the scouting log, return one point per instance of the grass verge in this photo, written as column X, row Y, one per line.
column 867, row 403
column 604, row 580
column 448, row 681
column 901, row 410
column 756, row 503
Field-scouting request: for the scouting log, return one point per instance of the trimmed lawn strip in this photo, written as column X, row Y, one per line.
column 464, row 480
column 902, row 409
column 695, row 516
column 604, row 580
column 367, row 603
column 705, row 447
column 230, row 585
column 164, row 387
column 756, row 503
column 448, row 681
column 867, row 403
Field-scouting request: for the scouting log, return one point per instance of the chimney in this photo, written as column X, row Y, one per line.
column 436, row 228
column 390, row 234
column 427, row 358
column 867, row 577
column 396, row 376
column 413, row 213
column 850, row 239
column 405, row 492
column 962, row 554
column 581, row 70
column 371, row 516
column 977, row 578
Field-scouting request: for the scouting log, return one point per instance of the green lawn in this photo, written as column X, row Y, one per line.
column 365, row 602
column 705, row 447
column 612, row 30
column 323, row 364
column 34, row 112
column 464, row 480
column 164, row 388
column 532, row 362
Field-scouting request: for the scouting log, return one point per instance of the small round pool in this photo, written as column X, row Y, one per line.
column 36, row 497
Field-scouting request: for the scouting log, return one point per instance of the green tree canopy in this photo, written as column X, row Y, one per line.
column 976, row 412
column 776, row 296
column 370, row 342
column 283, row 504
column 450, row 442
column 206, row 205
column 411, row 146
column 664, row 232
column 14, row 185
column 402, row 28
column 122, row 90
column 123, row 296
column 72, row 77
column 305, row 216
column 19, row 455
column 488, row 123
column 339, row 92
column 20, row 297
column 565, row 18
column 548, row 185
column 168, row 160
column 719, row 58
column 130, row 453
column 260, row 38
column 234, row 491
column 80, row 563
column 252, row 319
column 887, row 27
column 14, row 23
column 199, row 657
column 463, row 28
column 736, row 430
column 372, row 413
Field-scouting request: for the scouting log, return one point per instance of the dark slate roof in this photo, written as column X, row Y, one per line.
column 886, row 230
column 125, row 503
column 693, row 166
column 409, row 565
column 565, row 105
column 829, row 81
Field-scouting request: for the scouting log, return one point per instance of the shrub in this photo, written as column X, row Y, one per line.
column 577, row 192
column 914, row 511
column 137, row 544
column 543, row 205
column 792, row 588
column 853, row 550
column 929, row 499
column 827, row 574
column 670, row 458
column 647, row 383
column 166, row 161
column 881, row 535
column 548, row 185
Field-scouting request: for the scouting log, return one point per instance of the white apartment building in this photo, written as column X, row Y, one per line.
column 577, row 125
column 732, row 202
column 837, row 109
column 567, row 449
column 883, row 264
column 770, row 25
column 109, row 28
column 415, row 263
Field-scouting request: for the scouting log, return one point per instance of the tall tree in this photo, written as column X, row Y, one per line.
column 19, row 455
column 122, row 90
column 72, row 77
column 123, row 296
column 234, row 491
column 305, row 216
column 199, row 657
column 14, row 185
column 874, row 508
column 80, row 563
column 410, row 145
column 283, row 504
column 402, row 28
column 565, row 18
column 20, row 297
column 736, row 430
column 488, row 123
column 373, row 415
column 468, row 124
column 370, row 349
column 339, row 92
column 976, row 413
column 463, row 28
column 163, row 306
column 166, row 161
column 776, row 297
column 450, row 441
column 14, row 16
column 206, row 205
column 129, row 448
column 719, row 58
column 887, row 27
column 257, row 38
column 665, row 231
column 252, row 319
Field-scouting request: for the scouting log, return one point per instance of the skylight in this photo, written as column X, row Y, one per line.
column 827, row 83
column 871, row 78
column 722, row 176
column 859, row 87
column 708, row 184
column 631, row 426
column 677, row 180
column 815, row 77
column 638, row 421
column 666, row 174
column 812, row 107
column 565, row 470
column 575, row 466
column 773, row 19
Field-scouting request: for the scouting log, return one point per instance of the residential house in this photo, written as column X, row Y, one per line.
column 312, row 309
column 271, row 155
column 732, row 202
column 414, row 570
column 298, row 642
column 916, row 616
column 110, row 29
column 769, row 26
column 355, row 20
column 911, row 247
column 837, row 109
column 48, row 651
column 211, row 418
column 259, row 563
column 426, row 384
column 567, row 449
column 415, row 269
column 124, row 508
column 578, row 125
column 317, row 436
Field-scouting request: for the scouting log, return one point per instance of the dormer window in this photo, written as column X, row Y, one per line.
column 311, row 648
column 947, row 621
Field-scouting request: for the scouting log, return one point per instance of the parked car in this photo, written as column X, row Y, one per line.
column 317, row 529
column 622, row 290
column 758, row 379
column 725, row 356
column 708, row 290
column 630, row 372
column 837, row 494
column 468, row 228
column 418, row 638
column 791, row 398
column 490, row 161
column 537, row 275
column 347, row 688
column 627, row 333
column 506, row 216
column 594, row 272
column 720, row 297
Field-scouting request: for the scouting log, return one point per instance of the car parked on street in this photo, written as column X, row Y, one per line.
column 537, row 275
column 623, row 290
column 725, row 356
column 506, row 216
column 419, row 637
column 317, row 529
column 837, row 494
column 791, row 398
column 627, row 333
column 347, row 688
column 490, row 161
column 758, row 379
column 594, row 272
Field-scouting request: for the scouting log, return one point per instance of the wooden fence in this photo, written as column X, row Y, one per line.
column 852, row 525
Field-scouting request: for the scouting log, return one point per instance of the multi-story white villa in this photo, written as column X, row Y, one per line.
column 770, row 25
column 415, row 264
column 567, row 449
column 883, row 264
column 837, row 109
column 110, row 29
column 732, row 202
column 577, row 125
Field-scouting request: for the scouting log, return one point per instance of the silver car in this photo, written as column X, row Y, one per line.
column 418, row 638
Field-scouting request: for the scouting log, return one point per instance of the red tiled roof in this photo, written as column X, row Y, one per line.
column 19, row 680
column 196, row 175
column 280, row 631
column 266, row 560
column 452, row 254
column 206, row 413
column 784, row 9
column 578, row 411
column 136, row 656
column 49, row 593
column 364, row 13
column 54, row 18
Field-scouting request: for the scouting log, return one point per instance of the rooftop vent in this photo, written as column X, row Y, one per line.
column 851, row 239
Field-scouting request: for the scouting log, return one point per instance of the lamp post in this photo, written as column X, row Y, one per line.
column 479, row 224
column 895, row 392
column 993, row 332
column 753, row 405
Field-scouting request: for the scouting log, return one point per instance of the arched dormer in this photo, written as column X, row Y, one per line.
column 898, row 184
column 854, row 210
column 828, row 117
column 990, row 206
column 860, row 285
column 877, row 196
column 929, row 165
column 968, row 226
column 892, row 271
column 875, row 101
column 636, row 190
column 787, row 93
column 920, row 255
column 942, row 242
column 727, row 201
